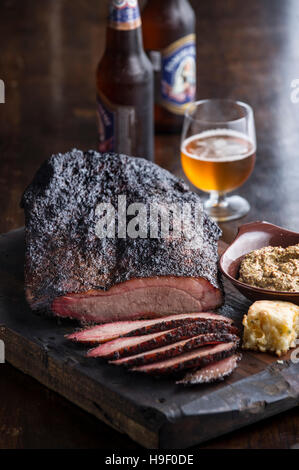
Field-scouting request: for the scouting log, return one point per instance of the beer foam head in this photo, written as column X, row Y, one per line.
column 218, row 145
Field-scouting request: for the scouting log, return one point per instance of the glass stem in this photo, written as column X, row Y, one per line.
column 217, row 200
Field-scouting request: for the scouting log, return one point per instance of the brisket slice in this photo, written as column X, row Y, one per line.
column 176, row 349
column 69, row 269
column 129, row 346
column 200, row 357
column 108, row 331
column 140, row 298
column 212, row 372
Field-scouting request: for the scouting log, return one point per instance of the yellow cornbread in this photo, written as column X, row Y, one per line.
column 271, row 326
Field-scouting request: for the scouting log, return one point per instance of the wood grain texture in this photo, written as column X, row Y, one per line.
column 248, row 52
column 156, row 413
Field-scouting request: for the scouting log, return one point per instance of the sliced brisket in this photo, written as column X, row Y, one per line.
column 196, row 358
column 140, row 298
column 129, row 346
column 213, row 372
column 108, row 331
column 176, row 349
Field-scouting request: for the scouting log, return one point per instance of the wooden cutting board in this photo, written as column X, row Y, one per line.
column 155, row 413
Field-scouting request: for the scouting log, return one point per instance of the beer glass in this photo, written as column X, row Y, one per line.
column 218, row 149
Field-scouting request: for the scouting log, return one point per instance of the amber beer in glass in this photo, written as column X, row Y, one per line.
column 218, row 153
column 125, row 85
column 169, row 40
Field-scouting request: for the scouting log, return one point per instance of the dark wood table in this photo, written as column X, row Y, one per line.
column 49, row 51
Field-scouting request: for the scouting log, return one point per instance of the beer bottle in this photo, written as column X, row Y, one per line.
column 169, row 40
column 125, row 85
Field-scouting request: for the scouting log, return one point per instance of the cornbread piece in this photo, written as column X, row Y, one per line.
column 271, row 326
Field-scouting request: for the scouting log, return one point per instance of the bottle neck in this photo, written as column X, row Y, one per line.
column 169, row 3
column 124, row 27
column 124, row 42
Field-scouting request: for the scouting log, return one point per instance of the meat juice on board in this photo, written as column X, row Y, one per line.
column 125, row 86
column 218, row 160
column 169, row 40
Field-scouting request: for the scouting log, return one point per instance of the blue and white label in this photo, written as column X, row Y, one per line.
column 105, row 126
column 124, row 15
column 116, row 127
column 178, row 74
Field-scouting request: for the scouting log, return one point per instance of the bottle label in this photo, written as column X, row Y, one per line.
column 116, row 126
column 178, row 74
column 124, row 15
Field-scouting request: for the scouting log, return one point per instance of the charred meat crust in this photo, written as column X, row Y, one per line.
column 175, row 324
column 63, row 254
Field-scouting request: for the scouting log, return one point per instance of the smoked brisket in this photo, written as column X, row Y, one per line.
column 72, row 272
column 108, row 331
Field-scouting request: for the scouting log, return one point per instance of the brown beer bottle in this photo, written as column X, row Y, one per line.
column 125, row 85
column 169, row 40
